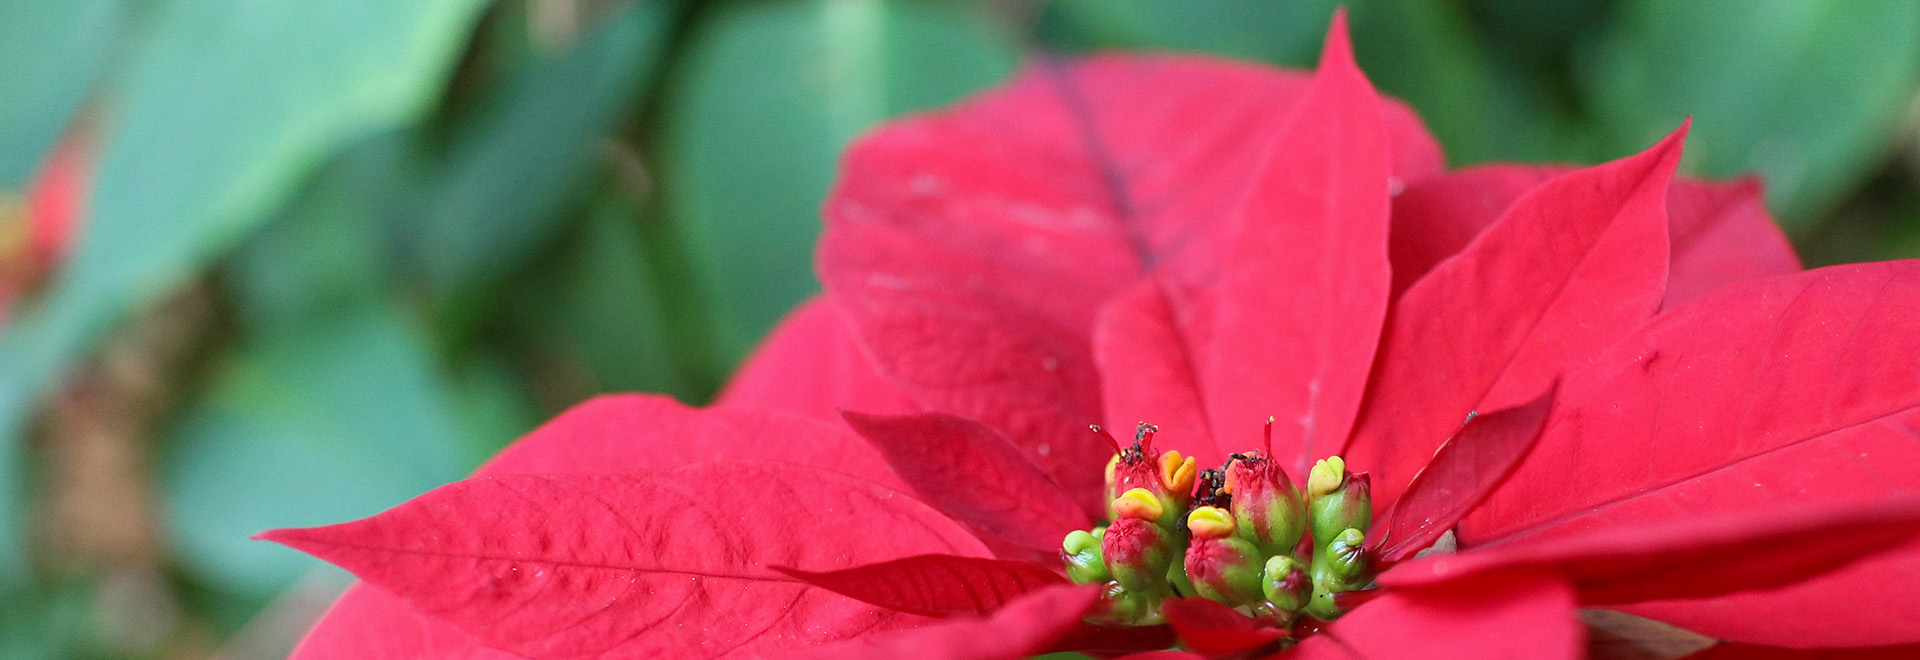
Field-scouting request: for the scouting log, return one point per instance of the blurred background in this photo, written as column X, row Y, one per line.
column 268, row 263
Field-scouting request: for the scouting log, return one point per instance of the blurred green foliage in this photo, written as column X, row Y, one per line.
column 425, row 226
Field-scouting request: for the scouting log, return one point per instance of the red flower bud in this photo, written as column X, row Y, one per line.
column 1138, row 553
column 1167, row 476
column 1222, row 566
column 1267, row 510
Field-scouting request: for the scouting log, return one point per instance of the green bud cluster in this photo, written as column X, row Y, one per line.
column 1242, row 535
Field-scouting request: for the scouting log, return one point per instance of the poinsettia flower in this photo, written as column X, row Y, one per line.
column 1209, row 246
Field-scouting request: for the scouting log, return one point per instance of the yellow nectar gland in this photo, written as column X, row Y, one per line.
column 1177, row 474
column 1138, row 503
column 1210, row 522
column 1328, row 475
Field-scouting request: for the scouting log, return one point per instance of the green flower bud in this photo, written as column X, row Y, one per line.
column 1085, row 564
column 1285, row 585
column 1222, row 566
column 1348, row 504
column 1138, row 553
column 1346, row 556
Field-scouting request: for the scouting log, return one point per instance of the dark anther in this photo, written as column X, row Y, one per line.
column 1211, row 480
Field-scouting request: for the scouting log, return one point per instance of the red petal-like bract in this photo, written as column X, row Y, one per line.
column 1462, row 473
column 1718, row 233
column 637, row 431
column 973, row 249
column 1027, row 626
column 633, row 564
column 370, row 624
column 1571, row 267
column 1212, row 628
column 1722, row 234
column 1689, row 558
column 1513, row 614
column 1758, row 397
column 970, row 472
column 936, row 585
column 811, row 364
column 1751, row 652
column 609, row 433
column 1437, row 217
column 1148, row 370
column 1304, row 287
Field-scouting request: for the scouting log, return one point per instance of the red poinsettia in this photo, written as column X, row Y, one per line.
column 1615, row 388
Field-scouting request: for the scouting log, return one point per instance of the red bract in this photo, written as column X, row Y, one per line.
column 1660, row 413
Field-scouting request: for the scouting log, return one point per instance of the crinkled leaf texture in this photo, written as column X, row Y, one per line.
column 1510, row 614
column 632, row 564
column 1572, row 266
column 936, row 585
column 971, row 472
column 1760, row 397
column 1027, row 626
column 611, row 433
column 973, row 249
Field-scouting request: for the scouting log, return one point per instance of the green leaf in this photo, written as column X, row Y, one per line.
column 50, row 55
column 1806, row 92
column 593, row 319
column 498, row 192
column 326, row 421
column 770, row 95
column 53, row 622
column 225, row 108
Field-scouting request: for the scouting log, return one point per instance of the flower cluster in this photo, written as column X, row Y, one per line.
column 1239, row 535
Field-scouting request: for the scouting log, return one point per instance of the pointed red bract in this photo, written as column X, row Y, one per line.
column 1792, row 390
column 1718, row 232
column 970, row 472
column 1689, row 558
column 936, row 585
column 1212, row 628
column 1462, row 473
column 1148, row 370
column 638, row 431
column 1081, row 177
column 812, row 365
column 1515, row 614
column 1437, row 217
column 609, row 433
column 1025, row 627
column 1305, row 283
column 1571, row 267
column 1721, row 234
column 568, row 565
